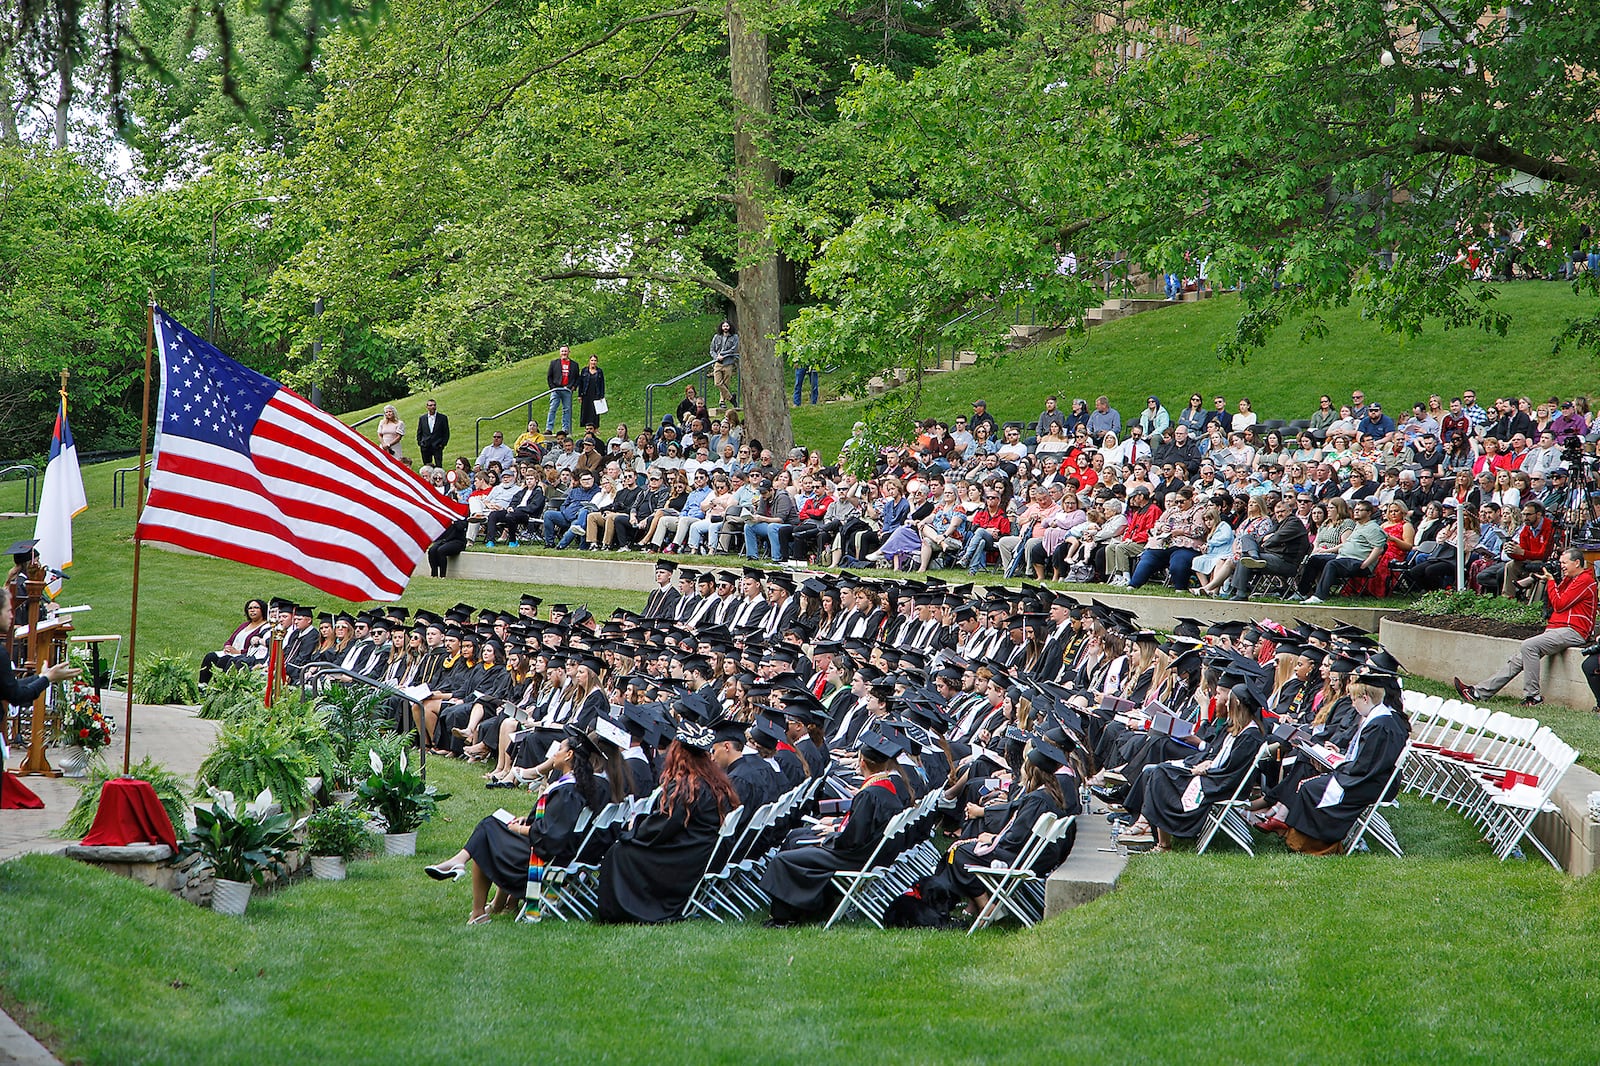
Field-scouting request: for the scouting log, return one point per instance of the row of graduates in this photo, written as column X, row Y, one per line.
column 1319, row 731
column 966, row 702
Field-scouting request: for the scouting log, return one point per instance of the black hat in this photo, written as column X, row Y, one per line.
column 730, row 729
column 768, row 731
column 22, row 550
column 782, row 579
column 530, row 600
column 879, row 744
column 693, row 735
column 753, row 572
column 666, row 564
column 1045, row 755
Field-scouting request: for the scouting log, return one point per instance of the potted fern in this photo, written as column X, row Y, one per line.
column 334, row 835
column 252, row 755
column 241, row 844
column 401, row 799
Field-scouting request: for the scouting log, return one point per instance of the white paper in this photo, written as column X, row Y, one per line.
column 504, row 816
column 1332, row 794
column 600, row 407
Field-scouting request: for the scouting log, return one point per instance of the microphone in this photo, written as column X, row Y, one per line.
column 53, row 572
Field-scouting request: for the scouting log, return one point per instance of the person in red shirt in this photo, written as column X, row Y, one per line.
column 989, row 525
column 562, row 377
column 1572, row 608
column 1121, row 553
column 1534, row 541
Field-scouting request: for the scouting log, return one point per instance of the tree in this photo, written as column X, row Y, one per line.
column 1316, row 154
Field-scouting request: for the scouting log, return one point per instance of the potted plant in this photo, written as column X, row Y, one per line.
column 240, row 844
column 84, row 731
column 253, row 755
column 333, row 837
column 401, row 799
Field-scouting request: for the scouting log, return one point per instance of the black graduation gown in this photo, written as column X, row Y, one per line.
column 816, row 760
column 1009, row 844
column 1362, row 778
column 789, row 767
column 801, row 877
column 503, row 854
column 642, row 773
column 650, row 872
column 755, row 782
column 1166, row 784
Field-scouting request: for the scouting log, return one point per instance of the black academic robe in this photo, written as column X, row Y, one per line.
column 1009, row 844
column 1377, row 748
column 642, row 772
column 661, row 601
column 1166, row 784
column 14, row 689
column 789, row 768
column 503, row 855
column 755, row 782
column 816, row 759
column 653, row 868
column 801, row 877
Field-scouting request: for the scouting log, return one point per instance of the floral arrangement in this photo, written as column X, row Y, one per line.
column 84, row 725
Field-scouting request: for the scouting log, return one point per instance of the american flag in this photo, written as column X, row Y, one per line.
column 247, row 470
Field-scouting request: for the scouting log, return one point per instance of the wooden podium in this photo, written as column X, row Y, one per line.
column 46, row 642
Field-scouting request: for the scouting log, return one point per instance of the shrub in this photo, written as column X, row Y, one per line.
column 165, row 677
column 356, row 721
column 168, row 785
column 339, row 831
column 240, row 844
column 398, row 795
column 255, row 755
column 1477, row 605
column 231, row 693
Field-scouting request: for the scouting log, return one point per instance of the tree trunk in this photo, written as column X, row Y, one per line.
column 66, row 57
column 762, row 394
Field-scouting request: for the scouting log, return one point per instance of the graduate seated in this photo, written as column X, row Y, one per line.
column 799, row 880
column 503, row 851
column 1321, row 810
column 1171, row 798
column 247, row 646
column 1041, row 794
column 651, row 871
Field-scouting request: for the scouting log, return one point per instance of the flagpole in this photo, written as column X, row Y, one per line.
column 138, row 512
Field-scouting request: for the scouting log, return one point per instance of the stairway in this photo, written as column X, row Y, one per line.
column 1025, row 335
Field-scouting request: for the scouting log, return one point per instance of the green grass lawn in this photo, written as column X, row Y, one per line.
column 1445, row 955
column 630, row 360
column 189, row 604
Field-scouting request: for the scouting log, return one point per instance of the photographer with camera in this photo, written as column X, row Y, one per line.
column 1571, row 623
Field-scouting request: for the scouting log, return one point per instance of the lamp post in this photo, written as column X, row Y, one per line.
column 211, row 305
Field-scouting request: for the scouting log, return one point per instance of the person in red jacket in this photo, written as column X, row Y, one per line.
column 1122, row 553
column 1572, row 607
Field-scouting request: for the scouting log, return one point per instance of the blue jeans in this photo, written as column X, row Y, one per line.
column 977, row 552
column 1179, row 561
column 756, row 532
column 559, row 399
column 1174, row 283
column 800, row 373
column 557, row 522
column 576, row 529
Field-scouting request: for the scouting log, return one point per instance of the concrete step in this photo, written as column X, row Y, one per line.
column 1089, row 871
column 1027, row 330
column 966, row 358
column 1148, row 303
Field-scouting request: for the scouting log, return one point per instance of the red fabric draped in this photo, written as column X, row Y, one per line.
column 15, row 796
column 130, row 813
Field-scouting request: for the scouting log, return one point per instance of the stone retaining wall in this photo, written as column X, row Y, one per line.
column 1440, row 654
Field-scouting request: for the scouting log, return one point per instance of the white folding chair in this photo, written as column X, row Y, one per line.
column 1372, row 822
column 1512, row 811
column 1227, row 816
column 719, row 853
column 1018, row 889
column 855, row 883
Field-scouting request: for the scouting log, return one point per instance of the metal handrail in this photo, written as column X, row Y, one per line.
column 364, row 421
column 30, row 485
column 477, row 426
column 330, row 673
column 649, row 390
column 119, row 482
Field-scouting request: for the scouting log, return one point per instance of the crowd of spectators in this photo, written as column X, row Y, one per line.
column 1213, row 499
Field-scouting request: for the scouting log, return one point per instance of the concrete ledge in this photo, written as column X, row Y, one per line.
column 635, row 572
column 1440, row 654
column 124, row 853
column 1088, row 873
column 1570, row 832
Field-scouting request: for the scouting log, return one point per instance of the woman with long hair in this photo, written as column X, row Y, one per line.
column 1041, row 795
column 799, row 879
column 391, row 432
column 650, row 872
column 504, row 854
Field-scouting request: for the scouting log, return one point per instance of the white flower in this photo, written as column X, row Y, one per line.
column 222, row 801
column 402, row 762
column 377, row 763
column 258, row 808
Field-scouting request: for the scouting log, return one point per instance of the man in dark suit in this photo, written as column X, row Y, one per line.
column 1280, row 552
column 782, row 607
column 433, row 433
column 663, row 598
column 301, row 642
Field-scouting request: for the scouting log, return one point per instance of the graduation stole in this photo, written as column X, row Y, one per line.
column 784, row 745
column 533, row 899
column 881, row 782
